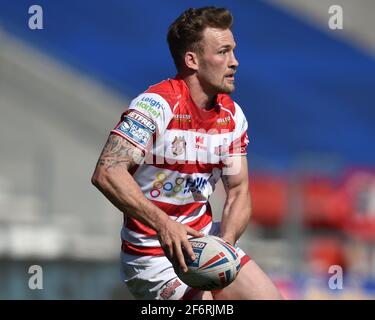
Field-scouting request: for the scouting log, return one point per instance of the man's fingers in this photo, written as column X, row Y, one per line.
column 187, row 244
column 178, row 244
column 180, row 257
column 168, row 250
column 193, row 232
column 189, row 250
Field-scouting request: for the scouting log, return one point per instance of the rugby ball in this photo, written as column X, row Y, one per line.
column 215, row 266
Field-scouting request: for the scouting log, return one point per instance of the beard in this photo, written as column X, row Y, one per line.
column 211, row 82
column 216, row 88
column 224, row 87
column 208, row 80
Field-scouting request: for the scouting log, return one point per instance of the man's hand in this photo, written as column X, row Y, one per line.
column 173, row 239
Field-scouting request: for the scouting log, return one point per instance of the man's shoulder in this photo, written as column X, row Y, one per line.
column 169, row 89
column 229, row 104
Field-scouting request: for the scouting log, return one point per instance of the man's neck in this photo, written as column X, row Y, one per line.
column 201, row 98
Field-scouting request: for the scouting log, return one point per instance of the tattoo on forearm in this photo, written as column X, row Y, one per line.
column 119, row 152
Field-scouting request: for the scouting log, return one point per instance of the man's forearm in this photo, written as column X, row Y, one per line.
column 236, row 214
column 120, row 188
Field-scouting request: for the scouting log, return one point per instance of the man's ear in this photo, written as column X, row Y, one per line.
column 191, row 60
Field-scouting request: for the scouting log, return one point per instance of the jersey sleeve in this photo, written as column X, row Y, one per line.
column 146, row 118
column 240, row 139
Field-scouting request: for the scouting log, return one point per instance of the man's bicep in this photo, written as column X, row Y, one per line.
column 119, row 152
column 237, row 175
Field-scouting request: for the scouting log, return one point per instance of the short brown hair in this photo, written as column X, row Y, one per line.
column 185, row 33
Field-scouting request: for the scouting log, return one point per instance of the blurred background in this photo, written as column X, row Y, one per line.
column 308, row 93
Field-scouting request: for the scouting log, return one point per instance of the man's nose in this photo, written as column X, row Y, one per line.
column 233, row 61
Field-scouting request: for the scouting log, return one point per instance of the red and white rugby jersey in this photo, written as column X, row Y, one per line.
column 184, row 149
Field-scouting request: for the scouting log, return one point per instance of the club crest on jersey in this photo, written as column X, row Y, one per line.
column 178, row 145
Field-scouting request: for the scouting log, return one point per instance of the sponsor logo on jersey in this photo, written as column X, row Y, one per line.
column 178, row 145
column 150, row 105
column 182, row 117
column 199, row 143
column 223, row 121
column 137, row 127
column 195, row 185
column 152, row 102
column 125, row 126
column 170, row 289
column 199, row 139
column 142, row 119
column 147, row 107
column 179, row 188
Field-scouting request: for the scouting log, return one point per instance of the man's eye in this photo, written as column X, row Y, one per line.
column 223, row 52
